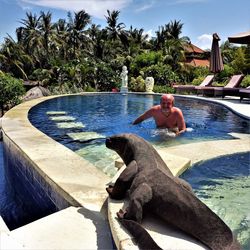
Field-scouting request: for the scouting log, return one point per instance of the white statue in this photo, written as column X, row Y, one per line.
column 149, row 83
column 124, row 76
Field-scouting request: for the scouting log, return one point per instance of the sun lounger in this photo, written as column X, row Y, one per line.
column 231, row 89
column 192, row 88
column 244, row 93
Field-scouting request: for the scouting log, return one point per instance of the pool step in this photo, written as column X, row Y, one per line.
column 71, row 228
column 176, row 164
column 205, row 150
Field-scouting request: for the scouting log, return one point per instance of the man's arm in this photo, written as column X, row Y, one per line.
column 143, row 117
column 180, row 122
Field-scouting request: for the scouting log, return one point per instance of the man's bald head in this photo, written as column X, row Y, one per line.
column 167, row 98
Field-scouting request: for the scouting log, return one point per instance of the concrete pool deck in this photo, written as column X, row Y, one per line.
column 83, row 225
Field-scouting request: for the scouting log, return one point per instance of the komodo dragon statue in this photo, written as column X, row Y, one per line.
column 152, row 187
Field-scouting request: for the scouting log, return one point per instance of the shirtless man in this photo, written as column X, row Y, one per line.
column 165, row 115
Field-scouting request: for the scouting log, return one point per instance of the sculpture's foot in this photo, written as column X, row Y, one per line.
column 121, row 214
column 109, row 190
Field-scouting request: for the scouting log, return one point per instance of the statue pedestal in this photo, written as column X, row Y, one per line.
column 124, row 90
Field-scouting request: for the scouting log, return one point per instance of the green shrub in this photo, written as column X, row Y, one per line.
column 198, row 80
column 200, row 72
column 89, row 89
column 163, row 89
column 225, row 74
column 137, row 84
column 162, row 74
column 11, row 90
column 245, row 82
column 143, row 60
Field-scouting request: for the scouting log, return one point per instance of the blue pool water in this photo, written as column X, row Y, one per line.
column 112, row 114
column 224, row 185
column 105, row 115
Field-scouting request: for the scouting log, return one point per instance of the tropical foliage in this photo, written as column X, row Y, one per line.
column 11, row 89
column 77, row 53
column 73, row 54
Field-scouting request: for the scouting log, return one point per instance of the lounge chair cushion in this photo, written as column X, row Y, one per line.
column 234, row 81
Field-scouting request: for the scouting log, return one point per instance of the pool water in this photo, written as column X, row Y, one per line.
column 223, row 184
column 113, row 114
column 82, row 117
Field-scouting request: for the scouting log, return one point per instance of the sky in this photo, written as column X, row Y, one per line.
column 200, row 18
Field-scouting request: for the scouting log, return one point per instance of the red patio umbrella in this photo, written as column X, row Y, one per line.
column 216, row 62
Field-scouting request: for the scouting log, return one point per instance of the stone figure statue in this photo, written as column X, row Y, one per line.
column 124, row 76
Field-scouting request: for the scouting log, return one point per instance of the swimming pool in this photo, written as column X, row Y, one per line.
column 93, row 116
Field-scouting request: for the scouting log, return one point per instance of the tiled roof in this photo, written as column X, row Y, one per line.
column 198, row 62
column 190, row 48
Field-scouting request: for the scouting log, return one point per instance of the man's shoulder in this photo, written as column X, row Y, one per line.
column 177, row 110
column 153, row 110
column 156, row 107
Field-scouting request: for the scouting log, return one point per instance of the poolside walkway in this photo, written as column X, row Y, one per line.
column 232, row 103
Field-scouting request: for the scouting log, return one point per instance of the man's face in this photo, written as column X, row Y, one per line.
column 166, row 103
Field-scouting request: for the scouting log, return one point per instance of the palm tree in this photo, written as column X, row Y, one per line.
column 114, row 28
column 46, row 28
column 76, row 29
column 169, row 41
column 30, row 33
column 137, row 40
column 29, row 37
column 160, row 38
column 98, row 38
column 173, row 29
column 61, row 39
column 13, row 58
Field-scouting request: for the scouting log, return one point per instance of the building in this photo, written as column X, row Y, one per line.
column 196, row 56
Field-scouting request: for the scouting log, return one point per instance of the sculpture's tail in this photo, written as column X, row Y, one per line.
column 235, row 245
column 140, row 234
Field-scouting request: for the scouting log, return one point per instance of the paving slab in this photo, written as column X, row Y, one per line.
column 71, row 228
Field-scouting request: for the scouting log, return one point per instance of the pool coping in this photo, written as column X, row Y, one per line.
column 17, row 129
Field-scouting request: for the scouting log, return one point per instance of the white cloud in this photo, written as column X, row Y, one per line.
column 145, row 6
column 96, row 8
column 204, row 41
column 188, row 1
column 149, row 33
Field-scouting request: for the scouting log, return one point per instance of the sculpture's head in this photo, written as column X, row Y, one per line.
column 123, row 144
column 124, row 68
